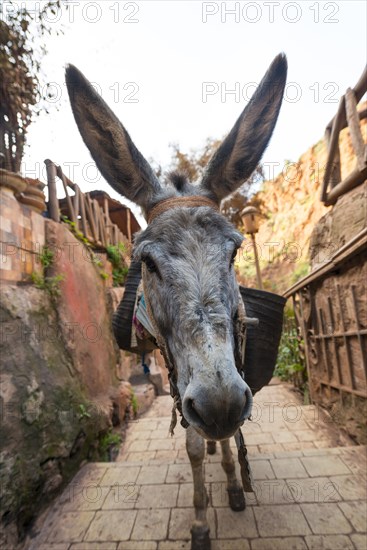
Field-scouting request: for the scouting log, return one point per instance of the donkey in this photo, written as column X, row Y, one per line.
column 187, row 253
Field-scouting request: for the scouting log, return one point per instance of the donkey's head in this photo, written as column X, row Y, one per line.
column 188, row 251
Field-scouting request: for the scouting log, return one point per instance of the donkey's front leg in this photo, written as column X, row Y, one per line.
column 235, row 492
column 200, row 530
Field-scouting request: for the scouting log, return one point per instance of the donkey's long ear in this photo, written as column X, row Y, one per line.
column 119, row 161
column 239, row 154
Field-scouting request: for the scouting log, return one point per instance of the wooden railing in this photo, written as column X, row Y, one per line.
column 86, row 214
column 347, row 115
column 329, row 306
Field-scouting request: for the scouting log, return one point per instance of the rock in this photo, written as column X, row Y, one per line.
column 292, row 208
column 121, row 399
column 58, row 374
column 338, row 226
column 145, row 395
column 83, row 316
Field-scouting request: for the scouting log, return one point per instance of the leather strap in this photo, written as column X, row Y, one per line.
column 175, row 202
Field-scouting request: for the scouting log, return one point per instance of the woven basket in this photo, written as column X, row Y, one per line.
column 262, row 341
column 123, row 317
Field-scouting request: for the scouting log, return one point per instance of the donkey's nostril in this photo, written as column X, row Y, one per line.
column 192, row 403
column 192, row 412
column 246, row 411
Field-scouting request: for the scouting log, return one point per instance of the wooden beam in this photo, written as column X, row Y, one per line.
column 332, row 144
column 361, row 87
column 350, row 182
column 354, row 246
column 91, row 217
column 102, row 225
column 76, row 205
column 53, row 202
column 84, row 216
column 72, row 216
column 128, row 223
column 335, row 173
column 355, row 129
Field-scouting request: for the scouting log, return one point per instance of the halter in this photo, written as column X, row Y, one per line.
column 240, row 320
column 174, row 202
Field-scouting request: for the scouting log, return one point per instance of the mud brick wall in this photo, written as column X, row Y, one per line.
column 22, row 237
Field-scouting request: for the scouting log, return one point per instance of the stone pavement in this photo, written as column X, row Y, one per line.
column 310, row 488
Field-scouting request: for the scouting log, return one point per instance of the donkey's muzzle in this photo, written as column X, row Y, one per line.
column 217, row 413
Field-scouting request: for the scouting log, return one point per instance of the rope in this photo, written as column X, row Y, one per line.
column 174, row 202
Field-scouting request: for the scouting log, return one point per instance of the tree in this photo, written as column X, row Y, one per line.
column 193, row 165
column 21, row 37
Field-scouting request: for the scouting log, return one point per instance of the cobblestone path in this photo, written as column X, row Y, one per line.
column 310, row 488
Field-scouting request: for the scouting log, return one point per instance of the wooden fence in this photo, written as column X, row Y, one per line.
column 331, row 316
column 86, row 214
column 347, row 115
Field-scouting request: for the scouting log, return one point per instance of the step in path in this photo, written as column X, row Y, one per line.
column 310, row 488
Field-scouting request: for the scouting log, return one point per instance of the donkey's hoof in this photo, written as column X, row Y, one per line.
column 200, row 539
column 211, row 447
column 236, row 499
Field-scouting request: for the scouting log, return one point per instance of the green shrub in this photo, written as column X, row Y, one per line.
column 119, row 271
column 109, row 444
column 41, row 281
column 290, row 365
column 301, row 271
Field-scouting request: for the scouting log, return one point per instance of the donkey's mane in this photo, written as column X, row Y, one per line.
column 178, row 179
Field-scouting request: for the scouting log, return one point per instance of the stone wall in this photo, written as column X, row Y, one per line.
column 63, row 381
column 333, row 316
column 22, row 237
column 338, row 226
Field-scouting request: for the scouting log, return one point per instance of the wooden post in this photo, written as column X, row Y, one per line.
column 91, row 218
column 68, row 199
column 335, row 174
column 128, row 223
column 258, row 272
column 355, row 130
column 335, row 126
column 53, row 203
column 350, row 182
column 76, row 205
column 83, row 216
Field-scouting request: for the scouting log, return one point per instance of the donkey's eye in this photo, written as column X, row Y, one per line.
column 234, row 255
column 151, row 266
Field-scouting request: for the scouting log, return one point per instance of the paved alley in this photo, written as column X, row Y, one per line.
column 310, row 488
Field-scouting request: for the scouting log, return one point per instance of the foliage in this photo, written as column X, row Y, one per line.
column 301, row 271
column 193, row 165
column 290, row 365
column 21, row 35
column 107, row 443
column 119, row 271
column 134, row 403
column 83, row 413
column 114, row 253
column 236, row 202
column 75, row 231
column 46, row 257
column 41, row 281
column 50, row 284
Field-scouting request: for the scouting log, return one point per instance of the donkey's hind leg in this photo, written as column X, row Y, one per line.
column 235, row 492
column 200, row 530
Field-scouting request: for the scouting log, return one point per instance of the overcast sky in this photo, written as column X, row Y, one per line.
column 167, row 70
